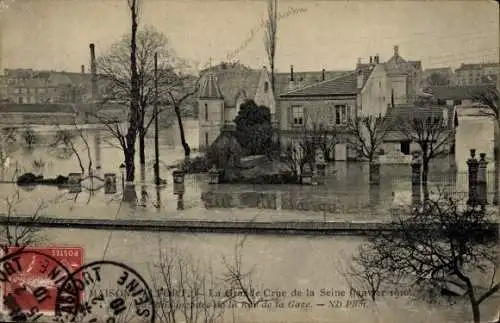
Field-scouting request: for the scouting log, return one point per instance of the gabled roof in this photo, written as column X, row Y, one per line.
column 345, row 84
column 395, row 117
column 465, row 92
column 303, row 79
column 232, row 79
column 209, row 88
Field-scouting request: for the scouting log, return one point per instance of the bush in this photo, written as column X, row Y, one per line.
column 195, row 165
column 32, row 179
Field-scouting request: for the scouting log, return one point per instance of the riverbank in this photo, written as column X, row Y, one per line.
column 353, row 228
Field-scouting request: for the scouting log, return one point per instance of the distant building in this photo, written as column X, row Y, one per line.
column 28, row 86
column 431, row 75
column 475, row 74
column 223, row 89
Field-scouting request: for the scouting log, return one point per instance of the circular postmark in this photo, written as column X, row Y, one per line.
column 112, row 292
column 31, row 280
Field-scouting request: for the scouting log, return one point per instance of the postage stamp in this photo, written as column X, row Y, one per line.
column 112, row 292
column 31, row 277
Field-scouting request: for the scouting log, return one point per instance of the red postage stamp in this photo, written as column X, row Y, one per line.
column 38, row 269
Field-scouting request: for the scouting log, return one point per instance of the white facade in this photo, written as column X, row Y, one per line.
column 475, row 130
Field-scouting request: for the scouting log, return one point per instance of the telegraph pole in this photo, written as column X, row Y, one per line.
column 157, row 150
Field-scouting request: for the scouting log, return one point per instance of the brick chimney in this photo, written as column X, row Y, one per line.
column 93, row 72
column 323, row 74
column 360, row 79
column 82, row 68
column 371, row 59
column 396, row 50
column 291, row 73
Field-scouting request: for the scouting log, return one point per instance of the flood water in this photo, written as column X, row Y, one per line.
column 281, row 263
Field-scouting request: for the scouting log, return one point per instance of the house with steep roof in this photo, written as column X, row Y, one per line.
column 223, row 90
column 334, row 102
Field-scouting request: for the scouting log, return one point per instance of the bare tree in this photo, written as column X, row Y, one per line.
column 242, row 288
column 436, row 250
column 368, row 134
column 270, row 39
column 174, row 87
column 66, row 143
column 11, row 233
column 8, row 140
column 431, row 132
column 186, row 289
column 301, row 150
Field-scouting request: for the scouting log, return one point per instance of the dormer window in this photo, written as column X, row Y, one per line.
column 266, row 87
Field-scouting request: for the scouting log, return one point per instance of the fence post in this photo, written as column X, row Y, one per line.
column 472, row 165
column 481, row 180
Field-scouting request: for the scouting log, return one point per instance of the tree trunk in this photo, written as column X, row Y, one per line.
column 185, row 145
column 142, row 146
column 425, row 172
column 476, row 314
column 131, row 135
column 129, row 163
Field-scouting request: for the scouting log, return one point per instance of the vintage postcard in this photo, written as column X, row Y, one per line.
column 275, row 161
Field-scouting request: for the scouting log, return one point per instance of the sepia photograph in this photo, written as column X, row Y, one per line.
column 245, row 161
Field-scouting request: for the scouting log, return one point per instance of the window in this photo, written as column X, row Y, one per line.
column 206, row 140
column 266, row 86
column 342, row 114
column 405, row 147
column 206, row 112
column 20, row 100
column 297, row 115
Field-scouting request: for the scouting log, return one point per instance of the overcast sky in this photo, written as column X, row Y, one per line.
column 54, row 34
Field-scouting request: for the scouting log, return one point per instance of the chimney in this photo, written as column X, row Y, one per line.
column 371, row 60
column 377, row 58
column 396, row 50
column 323, row 74
column 359, row 60
column 291, row 73
column 93, row 72
column 83, row 69
column 360, row 79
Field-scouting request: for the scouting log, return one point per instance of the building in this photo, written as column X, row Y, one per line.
column 475, row 74
column 223, row 89
column 28, row 86
column 405, row 77
column 475, row 128
column 438, row 76
column 398, row 144
column 334, row 102
column 369, row 90
column 457, row 95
